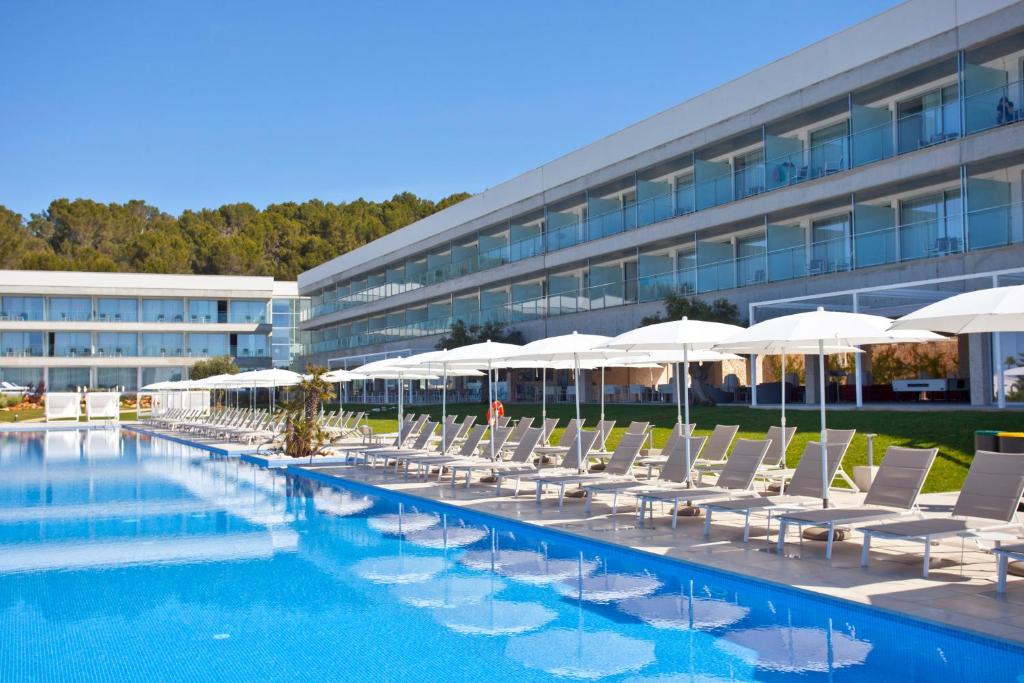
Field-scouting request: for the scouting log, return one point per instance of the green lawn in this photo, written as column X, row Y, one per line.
column 951, row 431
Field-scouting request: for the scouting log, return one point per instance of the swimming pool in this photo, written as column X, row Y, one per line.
column 126, row 557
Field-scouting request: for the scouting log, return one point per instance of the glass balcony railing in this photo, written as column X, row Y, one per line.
column 931, row 126
column 982, row 228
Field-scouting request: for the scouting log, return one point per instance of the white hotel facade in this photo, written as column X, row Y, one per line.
column 69, row 330
column 877, row 170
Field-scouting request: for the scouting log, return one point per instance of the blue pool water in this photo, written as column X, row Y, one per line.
column 124, row 557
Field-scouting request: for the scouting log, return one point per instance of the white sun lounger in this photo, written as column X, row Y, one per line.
column 987, row 502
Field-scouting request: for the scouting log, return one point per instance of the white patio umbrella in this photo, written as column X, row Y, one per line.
column 481, row 356
column 435, row 361
column 386, row 369
column 999, row 309
column 820, row 329
column 270, row 378
column 575, row 347
column 685, row 336
column 341, row 376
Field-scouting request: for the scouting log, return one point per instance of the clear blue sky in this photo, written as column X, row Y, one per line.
column 197, row 103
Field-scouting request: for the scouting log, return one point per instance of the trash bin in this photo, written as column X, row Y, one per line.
column 986, row 440
column 1011, row 442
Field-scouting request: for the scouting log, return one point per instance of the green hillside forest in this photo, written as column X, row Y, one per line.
column 281, row 240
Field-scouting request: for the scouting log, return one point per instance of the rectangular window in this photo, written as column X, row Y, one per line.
column 204, row 311
column 154, row 375
column 207, row 345
column 247, row 312
column 23, row 308
column 163, row 310
column 117, row 344
column 70, row 308
column 68, row 379
column 162, row 344
column 115, row 378
column 250, row 346
column 72, row 344
column 23, row 344
column 830, row 245
column 117, row 310
column 828, row 150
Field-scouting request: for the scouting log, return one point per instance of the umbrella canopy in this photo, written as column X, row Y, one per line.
column 386, row 369
column 677, row 336
column 483, row 355
column 448, row 592
column 435, row 361
column 581, row 654
column 795, row 649
column 999, row 309
column 270, row 377
column 573, row 347
column 819, row 330
column 400, row 569
column 684, row 612
column 340, row 375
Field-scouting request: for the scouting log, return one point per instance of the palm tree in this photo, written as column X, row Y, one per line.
column 304, row 436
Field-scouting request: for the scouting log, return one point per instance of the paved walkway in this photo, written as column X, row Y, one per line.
column 957, row 594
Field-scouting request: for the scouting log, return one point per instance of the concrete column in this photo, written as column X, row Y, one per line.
column 811, row 380
column 980, row 368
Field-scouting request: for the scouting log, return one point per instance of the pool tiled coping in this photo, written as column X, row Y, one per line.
column 958, row 595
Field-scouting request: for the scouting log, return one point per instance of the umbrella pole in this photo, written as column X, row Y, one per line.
column 824, row 437
column 490, row 405
column 544, row 402
column 602, row 393
column 782, row 385
column 444, row 409
column 401, row 438
column 579, row 437
column 679, row 402
column 686, row 407
column 341, row 401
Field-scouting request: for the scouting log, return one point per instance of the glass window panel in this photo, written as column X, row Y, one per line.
column 72, row 344
column 23, row 343
column 163, row 310
column 247, row 311
column 117, row 344
column 162, row 344
column 251, row 346
column 111, row 378
column 203, row 311
column 31, row 378
column 828, row 150
column 830, row 245
column 751, row 266
column 23, row 308
column 154, row 375
column 70, row 308
column 118, row 310
column 208, row 345
column 68, row 379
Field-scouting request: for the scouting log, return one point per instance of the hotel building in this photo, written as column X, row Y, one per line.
column 66, row 330
column 876, row 170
